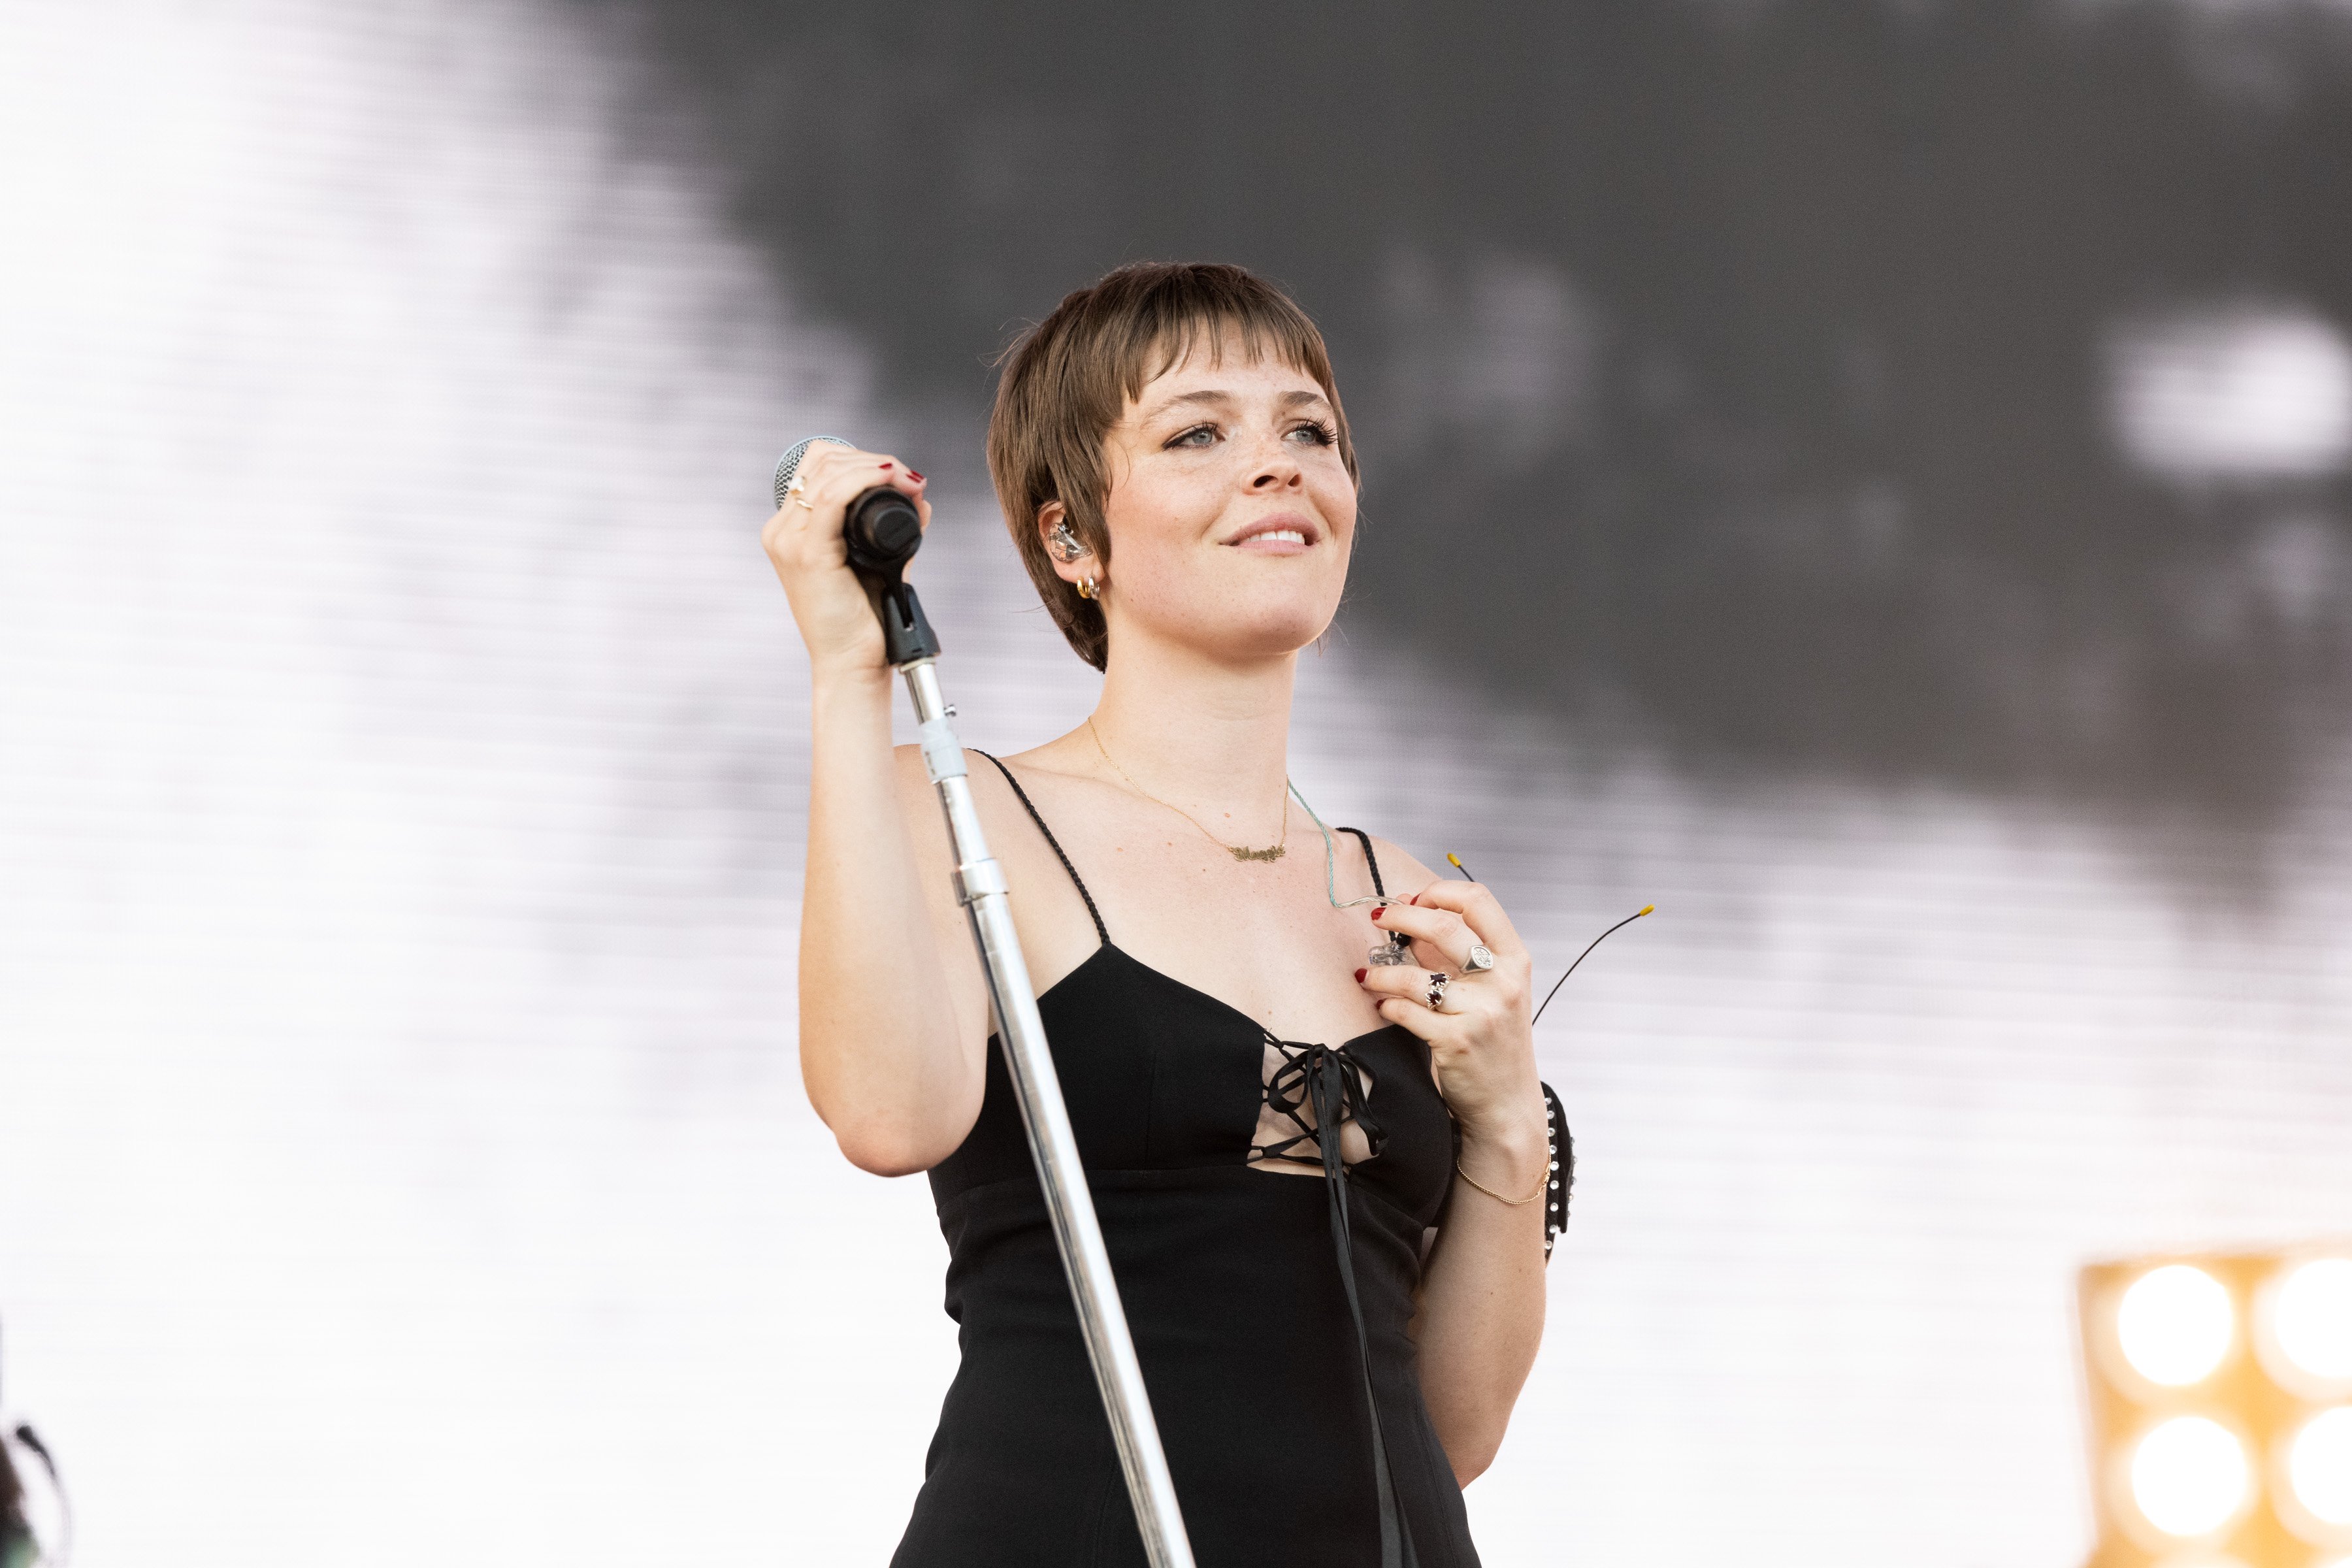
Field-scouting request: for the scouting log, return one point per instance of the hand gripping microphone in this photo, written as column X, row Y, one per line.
column 881, row 531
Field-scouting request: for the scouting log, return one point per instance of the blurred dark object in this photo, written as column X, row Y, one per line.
column 17, row 1548
column 1740, row 379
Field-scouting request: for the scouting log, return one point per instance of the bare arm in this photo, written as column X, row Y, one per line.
column 893, row 1016
column 1482, row 1300
column 1482, row 1304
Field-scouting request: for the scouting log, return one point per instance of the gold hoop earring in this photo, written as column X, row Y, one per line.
column 1086, row 588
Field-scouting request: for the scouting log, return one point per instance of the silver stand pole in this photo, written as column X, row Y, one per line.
column 980, row 888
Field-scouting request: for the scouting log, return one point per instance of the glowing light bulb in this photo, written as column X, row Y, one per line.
column 2311, row 1317
column 2175, row 1324
column 2319, row 1466
column 2189, row 1475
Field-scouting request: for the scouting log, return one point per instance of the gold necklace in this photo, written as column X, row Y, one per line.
column 1238, row 851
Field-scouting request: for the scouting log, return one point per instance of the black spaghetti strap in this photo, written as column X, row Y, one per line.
column 1100, row 929
column 1369, row 858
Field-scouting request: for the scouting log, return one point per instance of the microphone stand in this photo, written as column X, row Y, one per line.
column 880, row 553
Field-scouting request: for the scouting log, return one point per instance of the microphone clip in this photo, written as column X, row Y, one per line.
column 881, row 533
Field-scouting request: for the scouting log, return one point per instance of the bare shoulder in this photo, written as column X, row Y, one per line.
column 918, row 794
column 1000, row 819
column 1058, row 929
column 993, row 792
column 1401, row 872
column 1352, row 879
column 914, row 778
column 1041, row 774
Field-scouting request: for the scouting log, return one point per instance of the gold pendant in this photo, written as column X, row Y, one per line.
column 1273, row 854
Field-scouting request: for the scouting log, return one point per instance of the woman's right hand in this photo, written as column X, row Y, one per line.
column 803, row 542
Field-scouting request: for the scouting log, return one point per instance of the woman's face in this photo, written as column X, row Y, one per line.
column 1230, row 515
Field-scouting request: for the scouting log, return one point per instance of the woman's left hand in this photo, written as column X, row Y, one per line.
column 1480, row 1038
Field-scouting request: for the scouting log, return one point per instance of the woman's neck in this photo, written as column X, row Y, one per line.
column 1211, row 737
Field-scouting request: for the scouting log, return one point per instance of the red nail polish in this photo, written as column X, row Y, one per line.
column 1359, row 975
column 889, row 465
column 1379, row 910
column 914, row 476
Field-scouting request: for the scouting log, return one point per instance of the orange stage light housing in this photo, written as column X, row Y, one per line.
column 2250, row 1391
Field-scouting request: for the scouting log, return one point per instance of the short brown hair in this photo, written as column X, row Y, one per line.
column 1067, row 380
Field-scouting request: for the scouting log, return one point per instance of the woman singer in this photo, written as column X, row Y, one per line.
column 1332, row 1346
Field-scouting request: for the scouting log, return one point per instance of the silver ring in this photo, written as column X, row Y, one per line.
column 1438, row 981
column 1481, row 959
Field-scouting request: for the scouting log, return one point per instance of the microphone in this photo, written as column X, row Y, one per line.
column 882, row 530
column 881, row 533
column 790, row 463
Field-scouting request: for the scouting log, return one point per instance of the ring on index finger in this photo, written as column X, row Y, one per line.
column 800, row 496
column 1481, row 959
column 1438, row 981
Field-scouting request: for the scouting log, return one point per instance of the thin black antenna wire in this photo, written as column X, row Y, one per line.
column 1581, row 957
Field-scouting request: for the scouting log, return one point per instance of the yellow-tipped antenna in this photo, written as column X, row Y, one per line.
column 1581, row 957
column 1456, row 861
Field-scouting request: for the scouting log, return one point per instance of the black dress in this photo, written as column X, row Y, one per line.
column 1237, row 1285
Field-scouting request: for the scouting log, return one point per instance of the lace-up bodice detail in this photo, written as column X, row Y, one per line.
column 1289, row 1118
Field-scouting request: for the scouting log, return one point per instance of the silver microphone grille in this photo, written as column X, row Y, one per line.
column 789, row 464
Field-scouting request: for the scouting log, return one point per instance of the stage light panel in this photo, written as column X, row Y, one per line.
column 2311, row 1319
column 2208, row 1458
column 2189, row 1475
column 2319, row 1467
column 2175, row 1324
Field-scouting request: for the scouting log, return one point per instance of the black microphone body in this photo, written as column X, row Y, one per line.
column 882, row 531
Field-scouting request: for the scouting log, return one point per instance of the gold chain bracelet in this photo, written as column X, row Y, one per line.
column 1515, row 1203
